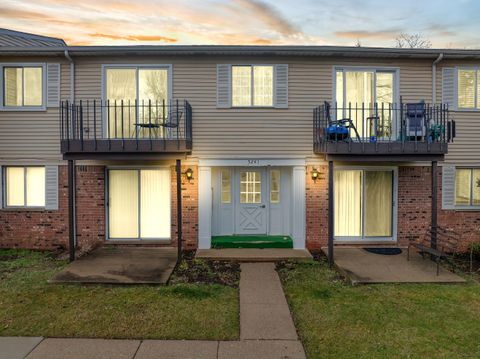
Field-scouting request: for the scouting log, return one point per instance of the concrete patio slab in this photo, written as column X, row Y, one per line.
column 17, row 347
column 121, row 265
column 253, row 255
column 177, row 349
column 265, row 349
column 362, row 267
column 56, row 348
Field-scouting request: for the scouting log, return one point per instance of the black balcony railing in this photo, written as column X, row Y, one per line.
column 99, row 126
column 382, row 129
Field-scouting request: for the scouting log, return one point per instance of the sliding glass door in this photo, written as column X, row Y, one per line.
column 139, row 204
column 362, row 94
column 363, row 204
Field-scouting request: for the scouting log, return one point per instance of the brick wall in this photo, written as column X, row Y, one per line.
column 48, row 230
column 414, row 208
column 36, row 229
column 189, row 208
column 317, row 208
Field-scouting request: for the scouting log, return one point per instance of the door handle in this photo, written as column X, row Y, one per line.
column 262, row 206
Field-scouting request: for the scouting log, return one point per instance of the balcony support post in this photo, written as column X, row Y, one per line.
column 434, row 223
column 72, row 223
column 330, row 213
column 178, row 168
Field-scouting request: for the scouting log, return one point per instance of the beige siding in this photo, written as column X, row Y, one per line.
column 229, row 133
column 466, row 147
column 261, row 132
column 33, row 135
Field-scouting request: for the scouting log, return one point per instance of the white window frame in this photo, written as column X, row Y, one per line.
column 4, row 189
column 457, row 103
column 374, row 69
column 464, row 206
column 136, row 67
column 138, row 239
column 252, row 84
column 362, row 239
column 43, row 106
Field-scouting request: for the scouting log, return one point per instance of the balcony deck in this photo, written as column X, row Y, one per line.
column 403, row 133
column 97, row 129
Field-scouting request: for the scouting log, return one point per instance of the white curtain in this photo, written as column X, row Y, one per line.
column 241, row 86
column 378, row 203
column 348, row 203
column 35, row 188
column 155, row 203
column 123, row 204
column 263, row 85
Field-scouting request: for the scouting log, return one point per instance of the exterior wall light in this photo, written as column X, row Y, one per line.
column 189, row 174
column 315, row 175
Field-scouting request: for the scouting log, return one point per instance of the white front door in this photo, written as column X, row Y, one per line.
column 251, row 202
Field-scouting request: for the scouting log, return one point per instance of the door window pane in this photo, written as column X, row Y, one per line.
column 348, row 203
column 123, row 204
column 263, row 85
column 378, row 203
column 35, row 186
column 463, row 180
column 121, row 93
column 466, row 88
column 241, row 86
column 155, row 203
column 15, row 181
column 226, row 186
column 275, row 186
column 359, row 92
column 250, row 187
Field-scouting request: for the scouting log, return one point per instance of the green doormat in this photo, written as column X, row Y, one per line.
column 252, row 242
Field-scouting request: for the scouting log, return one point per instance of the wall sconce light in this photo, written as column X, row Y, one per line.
column 189, row 174
column 315, row 175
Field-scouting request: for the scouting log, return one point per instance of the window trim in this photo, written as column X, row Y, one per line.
column 457, row 104
column 43, row 106
column 464, row 207
column 106, row 67
column 374, row 69
column 139, row 239
column 252, row 81
column 4, row 188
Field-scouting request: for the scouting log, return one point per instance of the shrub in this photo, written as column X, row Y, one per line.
column 475, row 249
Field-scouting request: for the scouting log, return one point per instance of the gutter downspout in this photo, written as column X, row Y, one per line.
column 72, row 172
column 434, row 78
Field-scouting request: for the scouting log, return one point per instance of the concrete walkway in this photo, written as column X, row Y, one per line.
column 266, row 331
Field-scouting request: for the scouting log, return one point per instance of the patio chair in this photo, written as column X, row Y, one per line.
column 338, row 130
column 447, row 244
column 415, row 120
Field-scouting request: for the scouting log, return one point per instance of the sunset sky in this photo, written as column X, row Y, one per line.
column 446, row 23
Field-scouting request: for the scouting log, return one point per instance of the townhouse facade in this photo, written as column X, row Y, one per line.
column 303, row 142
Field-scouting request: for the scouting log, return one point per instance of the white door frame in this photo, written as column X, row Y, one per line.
column 367, row 240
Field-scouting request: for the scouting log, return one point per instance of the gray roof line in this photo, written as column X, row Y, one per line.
column 31, row 36
column 226, row 50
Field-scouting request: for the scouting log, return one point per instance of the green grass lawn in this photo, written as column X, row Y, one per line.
column 29, row 306
column 336, row 320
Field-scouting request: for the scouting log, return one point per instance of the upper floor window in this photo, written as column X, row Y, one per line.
column 24, row 186
column 467, row 187
column 468, row 89
column 252, row 85
column 23, row 86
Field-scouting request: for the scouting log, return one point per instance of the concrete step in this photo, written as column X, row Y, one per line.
column 253, row 255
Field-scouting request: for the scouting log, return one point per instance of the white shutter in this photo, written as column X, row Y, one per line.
column 448, row 87
column 281, row 86
column 448, row 187
column 53, row 85
column 51, row 187
column 224, row 85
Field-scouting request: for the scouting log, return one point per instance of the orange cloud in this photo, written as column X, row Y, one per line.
column 380, row 35
column 135, row 37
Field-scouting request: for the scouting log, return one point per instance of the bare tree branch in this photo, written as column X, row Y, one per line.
column 412, row 41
